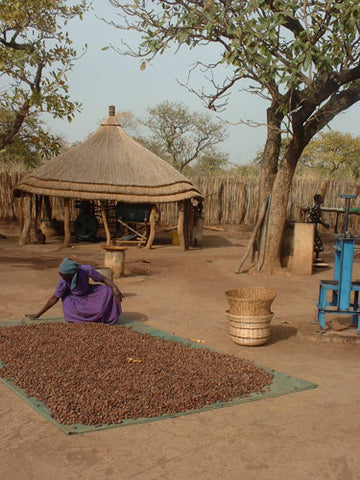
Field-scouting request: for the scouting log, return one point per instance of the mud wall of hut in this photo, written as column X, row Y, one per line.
column 228, row 200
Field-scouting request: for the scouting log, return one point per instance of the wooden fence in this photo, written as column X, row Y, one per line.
column 228, row 200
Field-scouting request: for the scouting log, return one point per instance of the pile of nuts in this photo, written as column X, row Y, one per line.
column 96, row 374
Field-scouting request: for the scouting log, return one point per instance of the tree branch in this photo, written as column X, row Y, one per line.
column 337, row 103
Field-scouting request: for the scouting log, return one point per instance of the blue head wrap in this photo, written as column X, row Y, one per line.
column 69, row 267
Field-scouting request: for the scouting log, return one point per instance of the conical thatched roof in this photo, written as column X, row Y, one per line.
column 110, row 165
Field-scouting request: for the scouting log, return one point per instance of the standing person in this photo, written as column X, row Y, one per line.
column 83, row 302
column 314, row 216
column 198, row 226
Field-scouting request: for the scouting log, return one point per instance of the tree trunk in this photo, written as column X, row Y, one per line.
column 269, row 165
column 277, row 216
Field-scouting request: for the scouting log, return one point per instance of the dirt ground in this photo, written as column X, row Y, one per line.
column 307, row 435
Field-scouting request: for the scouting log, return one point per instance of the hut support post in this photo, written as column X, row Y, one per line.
column 152, row 222
column 67, row 234
column 184, row 227
column 180, row 227
column 106, row 224
column 188, row 223
column 26, row 213
column 38, row 206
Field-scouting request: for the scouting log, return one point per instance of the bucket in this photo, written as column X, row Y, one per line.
column 175, row 238
column 249, row 330
column 250, row 301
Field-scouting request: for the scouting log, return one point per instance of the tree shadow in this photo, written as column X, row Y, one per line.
column 279, row 333
column 127, row 318
column 35, row 263
column 215, row 241
column 208, row 241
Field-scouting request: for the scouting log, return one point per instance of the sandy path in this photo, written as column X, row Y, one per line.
column 308, row 435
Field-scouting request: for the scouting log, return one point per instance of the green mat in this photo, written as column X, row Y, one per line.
column 282, row 383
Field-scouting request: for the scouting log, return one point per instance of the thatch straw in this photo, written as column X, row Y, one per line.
column 110, row 165
column 250, row 301
column 249, row 330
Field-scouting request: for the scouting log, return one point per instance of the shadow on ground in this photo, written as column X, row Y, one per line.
column 128, row 317
column 36, row 263
column 280, row 333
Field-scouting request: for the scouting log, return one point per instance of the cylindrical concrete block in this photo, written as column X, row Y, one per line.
column 115, row 259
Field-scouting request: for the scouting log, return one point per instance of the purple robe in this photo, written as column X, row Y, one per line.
column 87, row 302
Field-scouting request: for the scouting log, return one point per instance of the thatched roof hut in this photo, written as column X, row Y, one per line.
column 109, row 166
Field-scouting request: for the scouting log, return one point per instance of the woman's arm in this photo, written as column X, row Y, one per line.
column 116, row 291
column 50, row 303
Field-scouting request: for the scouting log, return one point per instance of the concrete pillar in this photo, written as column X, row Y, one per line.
column 303, row 256
column 114, row 258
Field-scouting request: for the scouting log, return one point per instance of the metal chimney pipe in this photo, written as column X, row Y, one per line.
column 112, row 111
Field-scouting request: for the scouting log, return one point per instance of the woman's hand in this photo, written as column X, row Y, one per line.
column 31, row 316
column 117, row 294
column 51, row 302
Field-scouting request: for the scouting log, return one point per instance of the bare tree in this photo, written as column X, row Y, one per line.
column 182, row 136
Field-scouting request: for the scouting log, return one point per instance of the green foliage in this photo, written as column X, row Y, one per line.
column 292, row 52
column 181, row 137
column 35, row 54
column 334, row 155
column 209, row 164
column 303, row 57
column 32, row 145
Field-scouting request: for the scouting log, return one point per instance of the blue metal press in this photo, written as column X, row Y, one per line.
column 344, row 292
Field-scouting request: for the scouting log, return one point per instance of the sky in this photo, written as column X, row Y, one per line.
column 101, row 78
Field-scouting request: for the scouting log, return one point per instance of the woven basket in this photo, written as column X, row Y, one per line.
column 251, row 301
column 249, row 330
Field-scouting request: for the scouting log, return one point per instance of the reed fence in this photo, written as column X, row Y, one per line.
column 228, row 199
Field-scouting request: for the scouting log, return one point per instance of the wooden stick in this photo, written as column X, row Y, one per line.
column 67, row 233
column 263, row 235
column 152, row 227
column 105, row 222
column 131, row 229
column 125, row 242
column 170, row 229
column 215, row 229
column 254, row 233
column 180, row 227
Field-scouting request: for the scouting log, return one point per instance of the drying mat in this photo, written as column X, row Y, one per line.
column 282, row 384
